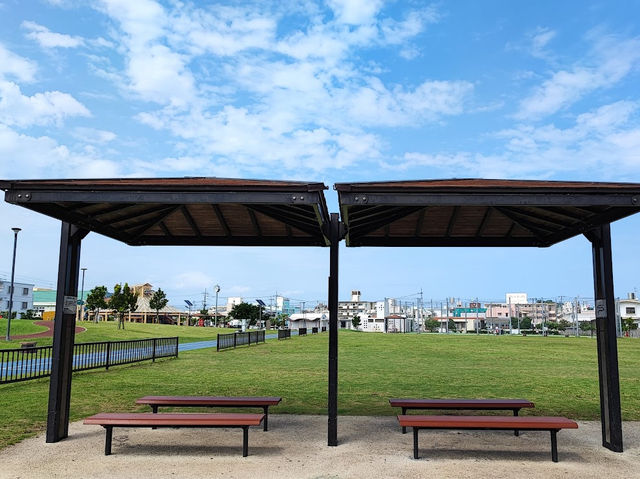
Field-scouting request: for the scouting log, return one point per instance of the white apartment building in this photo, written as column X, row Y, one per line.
column 22, row 296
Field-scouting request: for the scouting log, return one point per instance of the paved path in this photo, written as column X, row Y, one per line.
column 296, row 447
column 44, row 334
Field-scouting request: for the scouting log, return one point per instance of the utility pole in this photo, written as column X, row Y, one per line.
column 204, row 302
column 477, row 319
column 510, row 322
column 447, row 301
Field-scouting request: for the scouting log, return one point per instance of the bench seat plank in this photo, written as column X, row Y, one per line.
column 472, row 404
column 460, row 403
column 174, row 419
column 492, row 422
column 213, row 401
column 239, row 401
column 531, row 423
column 154, row 420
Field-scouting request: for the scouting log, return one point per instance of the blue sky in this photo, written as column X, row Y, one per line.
column 334, row 91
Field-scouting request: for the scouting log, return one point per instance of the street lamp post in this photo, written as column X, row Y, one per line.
column 82, row 296
column 13, row 271
column 215, row 314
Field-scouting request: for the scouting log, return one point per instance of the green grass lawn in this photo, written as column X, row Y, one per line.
column 18, row 327
column 559, row 374
column 108, row 331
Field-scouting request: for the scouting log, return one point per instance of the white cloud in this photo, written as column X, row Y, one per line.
column 170, row 82
column 48, row 39
column 14, row 65
column 93, row 135
column 377, row 106
column 50, row 107
column 36, row 155
column 355, row 12
column 192, row 280
column 605, row 140
column 154, row 71
column 611, row 60
column 539, row 40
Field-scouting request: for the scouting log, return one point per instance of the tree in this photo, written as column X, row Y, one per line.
column 628, row 324
column 355, row 321
column 525, row 322
column 587, row 326
column 451, row 324
column 96, row 300
column 432, row 325
column 552, row 326
column 158, row 301
column 122, row 301
column 563, row 325
column 29, row 314
column 247, row 311
column 279, row 320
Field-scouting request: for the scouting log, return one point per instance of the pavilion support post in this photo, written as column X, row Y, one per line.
column 334, row 237
column 610, row 412
column 64, row 332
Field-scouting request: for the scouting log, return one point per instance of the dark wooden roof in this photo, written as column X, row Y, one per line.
column 183, row 211
column 478, row 212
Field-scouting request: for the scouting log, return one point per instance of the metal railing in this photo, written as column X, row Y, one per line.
column 284, row 333
column 227, row 341
column 32, row 363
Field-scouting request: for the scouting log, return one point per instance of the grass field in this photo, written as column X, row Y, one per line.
column 559, row 374
column 108, row 331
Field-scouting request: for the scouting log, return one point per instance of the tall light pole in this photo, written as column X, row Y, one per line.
column 82, row 296
column 215, row 320
column 13, row 271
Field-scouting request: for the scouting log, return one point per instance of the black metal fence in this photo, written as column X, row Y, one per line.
column 302, row 331
column 227, row 341
column 284, row 333
column 32, row 363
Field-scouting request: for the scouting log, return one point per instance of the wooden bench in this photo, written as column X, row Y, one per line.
column 145, row 419
column 212, row 401
column 469, row 404
column 529, row 423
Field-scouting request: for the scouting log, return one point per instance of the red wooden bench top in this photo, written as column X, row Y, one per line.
column 174, row 419
column 461, row 403
column 489, row 422
column 209, row 400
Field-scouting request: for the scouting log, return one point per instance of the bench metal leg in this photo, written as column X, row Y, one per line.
column 154, row 410
column 107, row 442
column 404, row 411
column 266, row 418
column 554, row 446
column 415, row 443
column 245, row 441
column 515, row 413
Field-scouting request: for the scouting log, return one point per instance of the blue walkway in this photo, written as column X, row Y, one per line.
column 43, row 365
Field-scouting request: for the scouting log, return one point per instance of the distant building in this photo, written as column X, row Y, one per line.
column 283, row 305
column 347, row 310
column 232, row 301
column 516, row 298
column 22, row 297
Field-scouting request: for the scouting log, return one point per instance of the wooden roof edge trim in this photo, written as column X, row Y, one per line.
column 483, row 185
column 196, row 183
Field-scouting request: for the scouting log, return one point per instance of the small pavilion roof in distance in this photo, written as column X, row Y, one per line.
column 183, row 211
column 479, row 212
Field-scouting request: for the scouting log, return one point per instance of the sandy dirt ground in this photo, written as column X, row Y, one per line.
column 296, row 447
